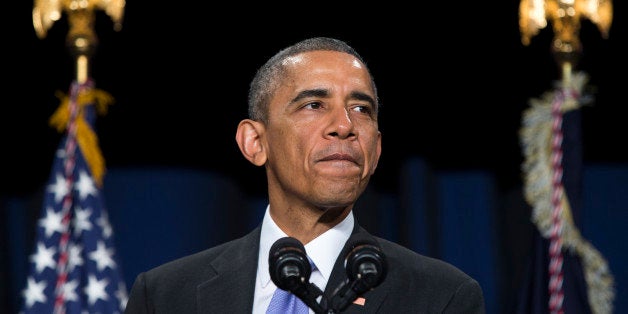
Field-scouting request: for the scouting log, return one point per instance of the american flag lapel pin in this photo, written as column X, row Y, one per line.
column 359, row 301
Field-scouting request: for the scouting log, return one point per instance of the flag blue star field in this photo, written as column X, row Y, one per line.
column 73, row 267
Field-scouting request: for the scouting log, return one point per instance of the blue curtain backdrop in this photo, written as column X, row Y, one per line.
column 159, row 214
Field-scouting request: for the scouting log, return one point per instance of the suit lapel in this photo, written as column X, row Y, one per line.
column 372, row 299
column 232, row 287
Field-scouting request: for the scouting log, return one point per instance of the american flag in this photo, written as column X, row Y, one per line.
column 74, row 267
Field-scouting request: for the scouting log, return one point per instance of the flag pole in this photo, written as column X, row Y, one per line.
column 543, row 144
column 82, row 41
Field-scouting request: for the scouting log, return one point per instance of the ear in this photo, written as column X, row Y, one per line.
column 249, row 137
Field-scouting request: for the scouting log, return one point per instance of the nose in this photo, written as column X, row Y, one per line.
column 340, row 125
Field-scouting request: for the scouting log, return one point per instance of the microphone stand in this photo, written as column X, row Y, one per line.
column 308, row 294
column 341, row 299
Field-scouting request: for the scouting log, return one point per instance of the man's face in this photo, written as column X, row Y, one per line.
column 322, row 139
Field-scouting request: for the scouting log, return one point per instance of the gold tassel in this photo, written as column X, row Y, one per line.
column 85, row 136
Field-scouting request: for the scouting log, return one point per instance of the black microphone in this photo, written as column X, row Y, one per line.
column 366, row 268
column 288, row 264
column 290, row 270
column 366, row 262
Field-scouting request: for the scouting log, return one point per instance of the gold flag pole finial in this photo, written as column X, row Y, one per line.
column 81, row 39
column 565, row 16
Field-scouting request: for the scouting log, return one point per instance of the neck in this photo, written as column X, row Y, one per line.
column 306, row 224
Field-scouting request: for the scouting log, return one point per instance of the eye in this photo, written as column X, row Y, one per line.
column 366, row 109
column 313, row 105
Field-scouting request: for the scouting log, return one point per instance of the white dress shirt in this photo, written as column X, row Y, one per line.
column 323, row 251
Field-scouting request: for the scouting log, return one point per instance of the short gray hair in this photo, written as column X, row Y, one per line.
column 270, row 75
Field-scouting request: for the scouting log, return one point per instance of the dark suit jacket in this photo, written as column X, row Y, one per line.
column 222, row 280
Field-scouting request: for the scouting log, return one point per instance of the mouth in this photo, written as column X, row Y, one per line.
column 339, row 157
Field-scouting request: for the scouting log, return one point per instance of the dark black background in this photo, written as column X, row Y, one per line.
column 453, row 78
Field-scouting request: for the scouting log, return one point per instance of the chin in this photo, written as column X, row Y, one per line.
column 337, row 198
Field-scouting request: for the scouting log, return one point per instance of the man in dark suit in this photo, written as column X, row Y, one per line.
column 313, row 125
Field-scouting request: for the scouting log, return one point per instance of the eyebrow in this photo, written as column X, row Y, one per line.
column 324, row 93
column 320, row 92
column 363, row 97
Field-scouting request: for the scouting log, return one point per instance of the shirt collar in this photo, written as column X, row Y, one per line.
column 323, row 250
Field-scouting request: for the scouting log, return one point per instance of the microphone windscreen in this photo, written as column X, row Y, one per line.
column 366, row 260
column 288, row 264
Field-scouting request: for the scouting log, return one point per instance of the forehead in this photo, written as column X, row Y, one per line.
column 324, row 57
column 326, row 67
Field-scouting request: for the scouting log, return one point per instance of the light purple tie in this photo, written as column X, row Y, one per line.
column 284, row 302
